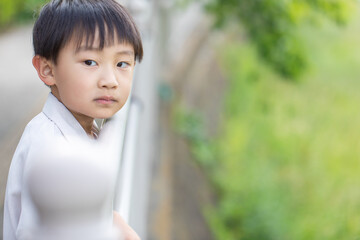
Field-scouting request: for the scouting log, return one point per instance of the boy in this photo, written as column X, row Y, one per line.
column 85, row 51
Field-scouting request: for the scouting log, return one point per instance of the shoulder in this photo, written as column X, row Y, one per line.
column 40, row 127
column 39, row 130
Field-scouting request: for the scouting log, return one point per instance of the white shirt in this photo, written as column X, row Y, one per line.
column 21, row 217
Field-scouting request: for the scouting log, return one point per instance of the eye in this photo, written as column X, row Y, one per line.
column 90, row 62
column 123, row 64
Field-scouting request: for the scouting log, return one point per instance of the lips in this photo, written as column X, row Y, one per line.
column 105, row 100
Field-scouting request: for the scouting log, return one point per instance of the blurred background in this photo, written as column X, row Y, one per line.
column 254, row 109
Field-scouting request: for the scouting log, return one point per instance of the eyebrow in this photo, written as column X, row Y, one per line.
column 130, row 53
column 84, row 48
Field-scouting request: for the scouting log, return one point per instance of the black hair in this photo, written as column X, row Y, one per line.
column 60, row 21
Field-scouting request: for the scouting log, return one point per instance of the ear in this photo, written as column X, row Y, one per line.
column 44, row 69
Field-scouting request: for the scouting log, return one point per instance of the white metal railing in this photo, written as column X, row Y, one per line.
column 124, row 185
column 134, row 164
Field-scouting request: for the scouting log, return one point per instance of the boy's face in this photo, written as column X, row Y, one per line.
column 93, row 83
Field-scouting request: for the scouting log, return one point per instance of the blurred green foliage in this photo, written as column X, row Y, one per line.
column 272, row 25
column 288, row 156
column 8, row 9
column 190, row 125
column 17, row 10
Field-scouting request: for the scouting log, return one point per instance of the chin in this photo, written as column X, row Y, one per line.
column 104, row 115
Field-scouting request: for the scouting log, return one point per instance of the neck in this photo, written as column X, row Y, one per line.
column 87, row 124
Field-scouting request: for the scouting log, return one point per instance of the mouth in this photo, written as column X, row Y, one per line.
column 105, row 100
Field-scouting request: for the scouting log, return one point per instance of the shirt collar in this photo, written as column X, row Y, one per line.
column 62, row 118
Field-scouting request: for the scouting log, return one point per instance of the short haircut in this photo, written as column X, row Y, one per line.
column 60, row 21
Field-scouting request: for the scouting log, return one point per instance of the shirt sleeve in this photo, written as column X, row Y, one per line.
column 12, row 203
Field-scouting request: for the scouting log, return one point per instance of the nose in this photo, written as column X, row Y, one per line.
column 108, row 79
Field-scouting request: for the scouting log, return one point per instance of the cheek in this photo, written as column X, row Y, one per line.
column 125, row 81
column 78, row 82
column 126, row 88
column 73, row 91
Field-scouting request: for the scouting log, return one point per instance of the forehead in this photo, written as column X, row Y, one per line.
column 81, row 41
column 117, row 49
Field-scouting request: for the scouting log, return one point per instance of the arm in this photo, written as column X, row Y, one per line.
column 12, row 211
column 127, row 232
column 14, row 195
column 12, row 202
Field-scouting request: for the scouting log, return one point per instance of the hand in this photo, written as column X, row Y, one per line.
column 126, row 231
